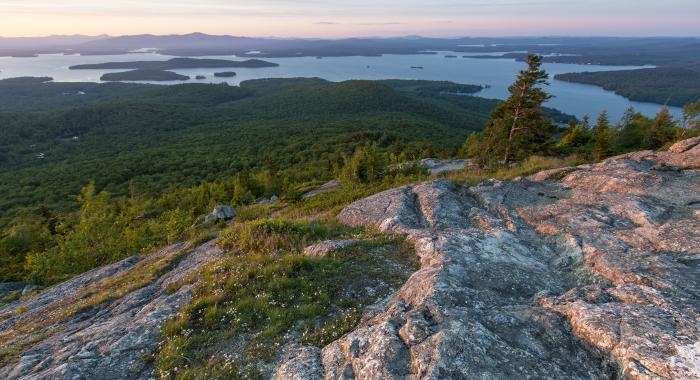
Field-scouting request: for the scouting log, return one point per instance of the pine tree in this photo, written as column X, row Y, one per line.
column 586, row 122
column 365, row 166
column 601, row 137
column 628, row 117
column 471, row 147
column 519, row 121
column 691, row 119
column 632, row 130
column 661, row 131
column 575, row 138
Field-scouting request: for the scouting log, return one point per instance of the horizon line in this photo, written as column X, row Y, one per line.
column 105, row 35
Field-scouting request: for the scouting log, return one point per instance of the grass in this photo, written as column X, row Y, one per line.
column 247, row 305
column 528, row 167
column 11, row 297
column 258, row 211
column 332, row 330
column 279, row 235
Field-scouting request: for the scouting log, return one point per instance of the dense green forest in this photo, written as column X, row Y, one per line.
column 151, row 159
column 675, row 86
column 147, row 138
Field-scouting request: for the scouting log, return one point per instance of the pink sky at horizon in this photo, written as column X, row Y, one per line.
column 342, row 18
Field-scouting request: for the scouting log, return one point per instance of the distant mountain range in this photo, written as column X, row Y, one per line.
column 660, row 51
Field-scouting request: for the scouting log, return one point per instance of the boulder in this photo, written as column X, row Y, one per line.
column 220, row 212
column 29, row 288
column 685, row 145
column 437, row 166
column 683, row 155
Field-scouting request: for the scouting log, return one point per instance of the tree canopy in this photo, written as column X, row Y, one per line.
column 519, row 125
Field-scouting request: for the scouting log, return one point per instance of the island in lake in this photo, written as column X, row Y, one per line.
column 426, row 87
column 674, row 86
column 26, row 80
column 225, row 74
column 144, row 75
column 176, row 63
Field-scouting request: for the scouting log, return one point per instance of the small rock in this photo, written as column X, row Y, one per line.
column 551, row 174
column 326, row 187
column 29, row 288
column 323, row 248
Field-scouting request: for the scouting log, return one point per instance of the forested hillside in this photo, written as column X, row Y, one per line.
column 151, row 137
column 135, row 165
column 91, row 174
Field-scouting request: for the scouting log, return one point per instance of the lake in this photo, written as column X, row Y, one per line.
column 498, row 74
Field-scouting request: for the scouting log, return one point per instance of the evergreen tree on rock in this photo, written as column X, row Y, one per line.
column 519, row 126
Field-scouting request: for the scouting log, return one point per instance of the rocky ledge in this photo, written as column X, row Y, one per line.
column 590, row 272
column 53, row 339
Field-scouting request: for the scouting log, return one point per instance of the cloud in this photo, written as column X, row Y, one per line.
column 377, row 23
column 358, row 23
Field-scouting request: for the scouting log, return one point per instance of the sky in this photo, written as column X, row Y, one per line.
column 346, row 18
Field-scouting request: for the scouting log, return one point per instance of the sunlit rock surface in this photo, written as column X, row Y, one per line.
column 590, row 272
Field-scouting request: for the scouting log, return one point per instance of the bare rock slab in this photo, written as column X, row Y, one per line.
column 590, row 272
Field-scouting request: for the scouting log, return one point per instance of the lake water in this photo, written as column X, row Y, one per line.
column 576, row 99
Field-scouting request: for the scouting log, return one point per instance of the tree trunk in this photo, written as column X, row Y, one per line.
column 506, row 156
column 513, row 127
